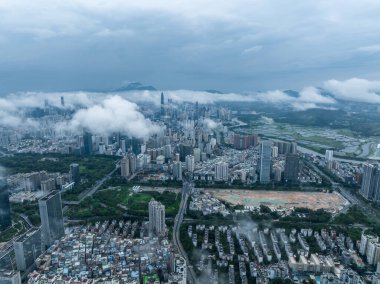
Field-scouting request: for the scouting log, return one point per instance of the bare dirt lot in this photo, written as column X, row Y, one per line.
column 282, row 199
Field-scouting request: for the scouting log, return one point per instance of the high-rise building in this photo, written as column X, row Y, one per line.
column 48, row 185
column 184, row 150
column 291, row 168
column 62, row 101
column 373, row 252
column 277, row 170
column 5, row 209
column 87, row 143
column 27, row 248
column 286, row 147
column 365, row 239
column 197, row 155
column 177, row 170
column 245, row 141
column 51, row 218
column 168, row 151
column 370, row 188
column 156, row 218
column 221, row 171
column 123, row 145
column 190, row 163
column 124, row 167
column 274, row 151
column 329, row 157
column 74, row 173
column 132, row 162
column 293, row 148
column 265, row 161
column 162, row 104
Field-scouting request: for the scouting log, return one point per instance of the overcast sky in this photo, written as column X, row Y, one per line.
column 232, row 46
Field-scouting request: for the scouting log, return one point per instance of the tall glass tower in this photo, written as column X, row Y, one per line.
column 51, row 218
column 265, row 161
column 5, row 209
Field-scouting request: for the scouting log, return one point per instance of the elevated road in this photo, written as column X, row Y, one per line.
column 186, row 190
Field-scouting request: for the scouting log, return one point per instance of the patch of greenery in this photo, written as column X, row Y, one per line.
column 117, row 202
column 92, row 168
column 30, row 209
column 353, row 216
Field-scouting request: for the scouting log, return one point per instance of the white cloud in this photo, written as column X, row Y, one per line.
column 210, row 123
column 313, row 95
column 309, row 97
column 113, row 114
column 355, row 89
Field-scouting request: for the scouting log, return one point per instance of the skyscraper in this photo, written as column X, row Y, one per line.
column 197, row 155
column 162, row 104
column 156, row 218
column 123, row 145
column 51, row 218
column 74, row 172
column 190, row 163
column 5, row 209
column 221, row 171
column 87, row 143
column 132, row 162
column 62, row 101
column 177, row 170
column 265, row 161
column 370, row 188
column 124, row 167
column 27, row 248
column 291, row 168
column 329, row 156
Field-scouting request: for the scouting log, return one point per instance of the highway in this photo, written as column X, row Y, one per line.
column 367, row 208
column 186, row 190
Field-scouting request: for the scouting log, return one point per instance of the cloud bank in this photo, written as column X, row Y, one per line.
column 355, row 89
column 113, row 114
column 109, row 112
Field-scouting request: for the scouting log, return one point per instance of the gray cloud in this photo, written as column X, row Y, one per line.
column 229, row 45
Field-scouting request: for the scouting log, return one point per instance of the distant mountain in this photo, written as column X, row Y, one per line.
column 214, row 92
column 292, row 93
column 134, row 86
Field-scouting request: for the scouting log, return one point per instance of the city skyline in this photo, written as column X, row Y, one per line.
column 185, row 142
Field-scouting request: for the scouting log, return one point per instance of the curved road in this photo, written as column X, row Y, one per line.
column 367, row 208
column 186, row 189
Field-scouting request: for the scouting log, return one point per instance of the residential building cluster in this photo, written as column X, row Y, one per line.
column 204, row 202
column 106, row 252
